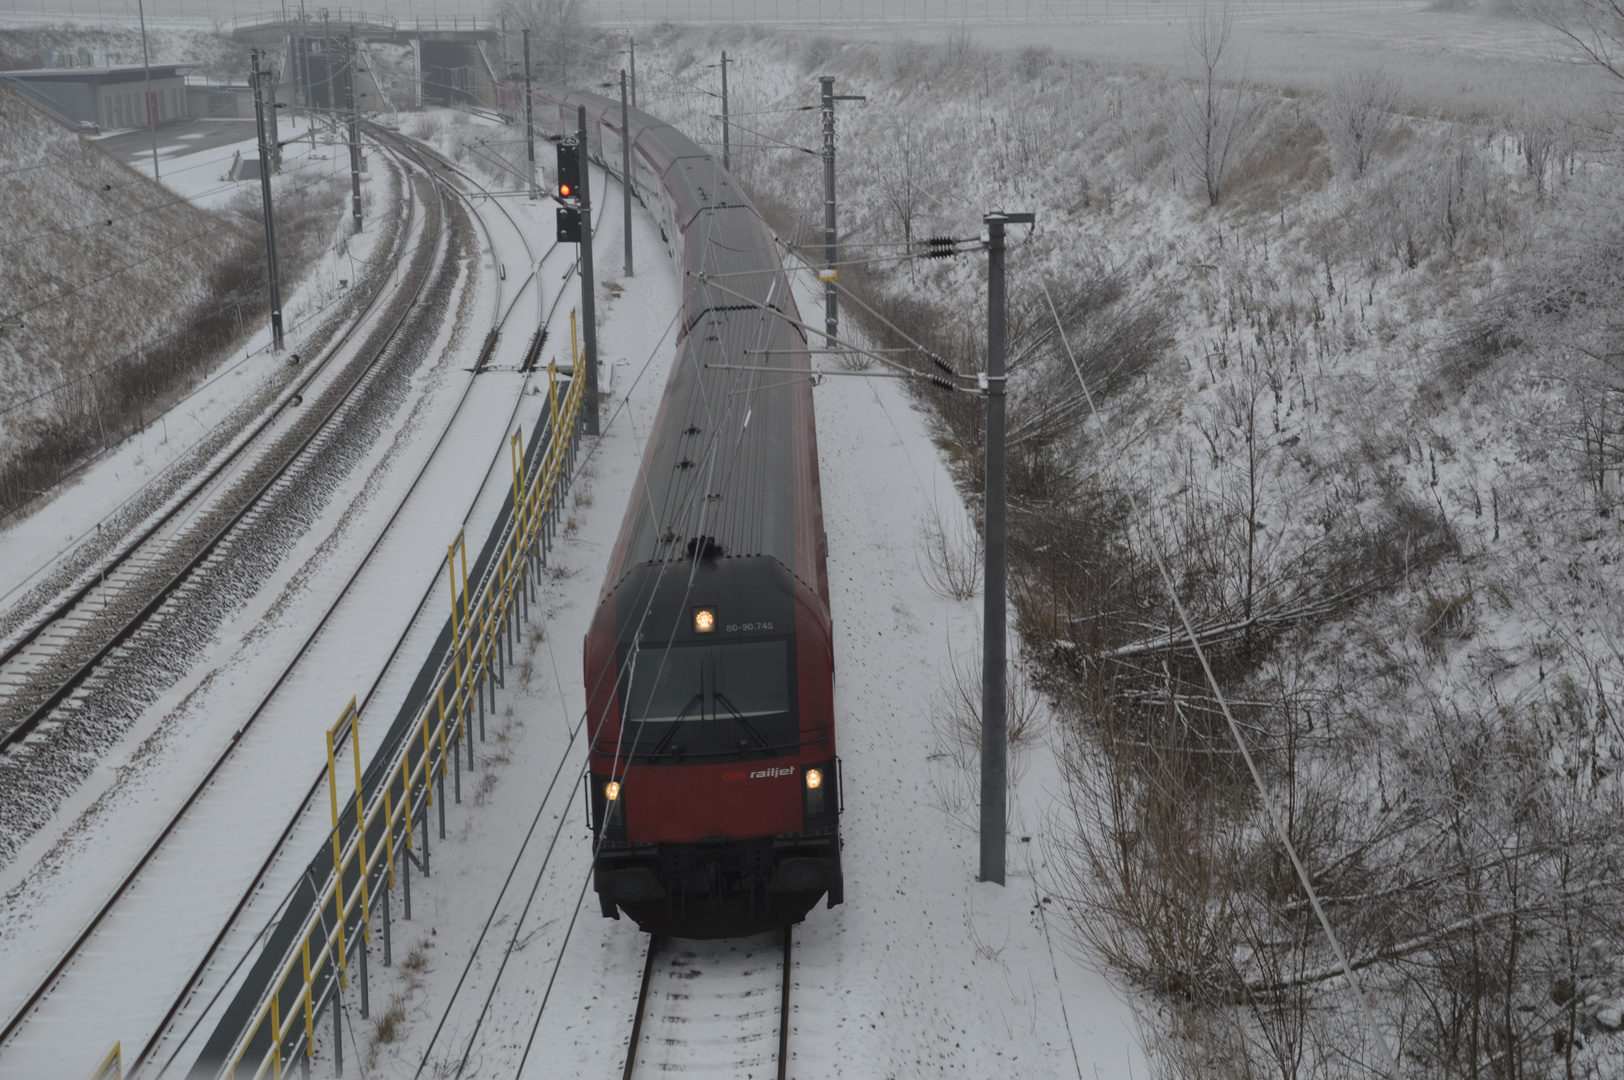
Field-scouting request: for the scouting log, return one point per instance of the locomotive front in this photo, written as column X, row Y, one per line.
column 714, row 780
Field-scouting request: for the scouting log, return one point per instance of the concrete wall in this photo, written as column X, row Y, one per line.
column 121, row 105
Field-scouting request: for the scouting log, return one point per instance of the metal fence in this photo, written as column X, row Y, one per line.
column 953, row 12
column 380, row 831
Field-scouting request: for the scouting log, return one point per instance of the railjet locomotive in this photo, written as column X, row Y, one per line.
column 714, row 781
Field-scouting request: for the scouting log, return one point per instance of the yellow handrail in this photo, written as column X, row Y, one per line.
column 111, row 1066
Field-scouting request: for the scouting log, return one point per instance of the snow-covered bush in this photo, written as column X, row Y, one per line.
column 1369, row 416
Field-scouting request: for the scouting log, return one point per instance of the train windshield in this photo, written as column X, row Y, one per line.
column 707, row 699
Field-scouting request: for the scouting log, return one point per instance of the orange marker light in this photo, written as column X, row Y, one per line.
column 704, row 621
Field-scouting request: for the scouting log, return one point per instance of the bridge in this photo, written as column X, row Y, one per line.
column 402, row 63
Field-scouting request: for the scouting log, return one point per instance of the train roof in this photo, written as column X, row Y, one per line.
column 731, row 466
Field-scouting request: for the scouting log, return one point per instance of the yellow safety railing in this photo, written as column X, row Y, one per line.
column 485, row 620
column 111, row 1066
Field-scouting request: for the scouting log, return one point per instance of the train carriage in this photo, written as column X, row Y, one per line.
column 709, row 665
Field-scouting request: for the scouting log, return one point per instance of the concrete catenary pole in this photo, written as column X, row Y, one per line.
column 530, row 120
column 265, row 197
column 993, row 721
column 589, row 323
column 831, row 321
column 273, row 139
column 632, row 47
column 727, row 158
column 994, row 738
column 626, row 168
column 152, row 105
column 355, row 133
column 830, row 316
column 302, row 72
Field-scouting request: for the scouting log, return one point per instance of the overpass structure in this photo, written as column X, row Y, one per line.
column 400, row 63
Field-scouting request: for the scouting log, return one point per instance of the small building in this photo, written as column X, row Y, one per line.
column 109, row 98
column 221, row 100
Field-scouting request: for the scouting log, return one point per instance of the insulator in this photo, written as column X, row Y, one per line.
column 940, row 247
column 943, row 364
column 937, row 380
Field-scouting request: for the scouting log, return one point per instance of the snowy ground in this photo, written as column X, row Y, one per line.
column 73, row 513
column 124, row 981
column 920, row 971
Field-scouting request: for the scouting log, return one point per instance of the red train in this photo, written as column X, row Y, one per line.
column 714, row 780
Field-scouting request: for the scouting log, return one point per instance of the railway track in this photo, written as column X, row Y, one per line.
column 41, row 666
column 445, row 193
column 714, row 1008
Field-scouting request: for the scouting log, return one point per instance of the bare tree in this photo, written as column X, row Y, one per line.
column 907, row 174
column 558, row 34
column 1596, row 27
column 1218, row 124
column 1357, row 115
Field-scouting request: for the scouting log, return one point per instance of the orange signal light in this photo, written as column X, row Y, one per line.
column 565, row 191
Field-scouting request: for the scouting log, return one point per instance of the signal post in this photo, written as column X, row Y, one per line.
column 575, row 227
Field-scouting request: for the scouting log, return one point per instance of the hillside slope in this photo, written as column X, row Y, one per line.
column 1362, row 401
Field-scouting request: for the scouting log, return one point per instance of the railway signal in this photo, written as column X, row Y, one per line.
column 569, row 225
column 569, row 169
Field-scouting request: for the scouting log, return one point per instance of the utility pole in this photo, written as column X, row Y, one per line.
column 302, row 71
column 355, row 133
column 589, row 328
column 327, row 66
column 152, row 105
column 265, row 197
column 274, row 141
column 529, row 119
column 727, row 162
column 831, row 319
column 632, row 46
column 994, row 739
column 626, row 168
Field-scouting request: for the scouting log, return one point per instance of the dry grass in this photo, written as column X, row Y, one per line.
column 953, row 555
column 955, row 720
column 126, row 295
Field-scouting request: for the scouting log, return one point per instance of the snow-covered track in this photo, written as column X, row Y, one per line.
column 200, row 793
column 713, row 1008
column 43, row 666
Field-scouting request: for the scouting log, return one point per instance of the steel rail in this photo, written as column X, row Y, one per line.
column 642, row 1007
column 233, row 456
column 106, row 908
column 783, row 1007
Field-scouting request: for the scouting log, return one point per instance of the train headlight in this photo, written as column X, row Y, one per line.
column 814, row 798
column 611, row 790
column 704, row 620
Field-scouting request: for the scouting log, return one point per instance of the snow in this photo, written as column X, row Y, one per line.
column 55, row 526
column 143, row 954
column 921, row 970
